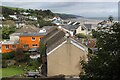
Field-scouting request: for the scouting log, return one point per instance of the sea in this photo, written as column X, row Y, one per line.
column 102, row 18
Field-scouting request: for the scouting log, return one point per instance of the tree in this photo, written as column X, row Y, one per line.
column 110, row 18
column 20, row 56
column 8, row 28
column 6, row 31
column 8, row 56
column 105, row 63
column 42, row 48
column 94, row 33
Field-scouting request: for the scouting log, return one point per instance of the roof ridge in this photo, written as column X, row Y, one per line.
column 78, row 43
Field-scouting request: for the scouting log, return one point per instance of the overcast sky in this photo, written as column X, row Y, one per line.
column 86, row 9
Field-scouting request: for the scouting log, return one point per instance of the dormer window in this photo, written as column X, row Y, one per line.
column 33, row 38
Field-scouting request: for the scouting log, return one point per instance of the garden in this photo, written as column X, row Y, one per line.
column 17, row 63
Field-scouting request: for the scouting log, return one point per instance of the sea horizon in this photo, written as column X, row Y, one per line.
column 102, row 18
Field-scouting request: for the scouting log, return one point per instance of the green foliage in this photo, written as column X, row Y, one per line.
column 44, row 23
column 4, row 64
column 80, row 35
column 40, row 14
column 105, row 63
column 42, row 49
column 67, row 16
column 95, row 34
column 17, row 55
column 111, row 18
column 20, row 56
column 11, row 71
column 7, row 56
column 6, row 11
column 35, row 63
column 6, row 31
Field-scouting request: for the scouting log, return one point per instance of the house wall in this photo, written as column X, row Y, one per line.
column 22, row 41
column 79, row 30
column 10, row 49
column 19, row 25
column 65, row 60
column 28, row 40
column 14, row 38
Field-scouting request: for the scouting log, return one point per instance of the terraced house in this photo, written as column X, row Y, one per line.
column 63, row 54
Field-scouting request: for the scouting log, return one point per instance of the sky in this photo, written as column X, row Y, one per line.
column 87, row 8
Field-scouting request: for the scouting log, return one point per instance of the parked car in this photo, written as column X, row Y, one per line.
column 33, row 74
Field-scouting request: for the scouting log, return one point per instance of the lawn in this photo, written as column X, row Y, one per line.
column 11, row 71
column 14, row 70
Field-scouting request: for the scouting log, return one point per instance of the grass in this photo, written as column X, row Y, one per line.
column 14, row 70
column 11, row 71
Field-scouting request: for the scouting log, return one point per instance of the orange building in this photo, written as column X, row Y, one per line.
column 26, row 41
column 8, row 46
column 29, row 41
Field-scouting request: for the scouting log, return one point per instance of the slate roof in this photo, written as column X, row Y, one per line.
column 88, row 26
column 70, row 27
column 48, row 28
column 32, row 34
column 53, row 39
column 28, row 28
column 28, row 34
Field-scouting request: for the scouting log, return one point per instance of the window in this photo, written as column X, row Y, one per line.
column 33, row 38
column 7, row 46
column 34, row 45
column 13, row 46
column 88, row 29
column 82, row 29
column 25, row 45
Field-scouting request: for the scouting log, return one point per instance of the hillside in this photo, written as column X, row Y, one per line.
column 6, row 11
column 67, row 16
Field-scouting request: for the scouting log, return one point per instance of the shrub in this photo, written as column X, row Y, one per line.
column 80, row 35
column 9, row 55
column 4, row 64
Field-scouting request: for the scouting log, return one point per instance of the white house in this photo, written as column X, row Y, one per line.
column 1, row 17
column 25, row 13
column 19, row 24
column 81, row 29
column 13, row 16
column 57, row 20
column 32, row 17
column 74, row 29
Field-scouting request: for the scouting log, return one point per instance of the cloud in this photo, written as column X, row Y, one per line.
column 79, row 8
column 60, row 1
